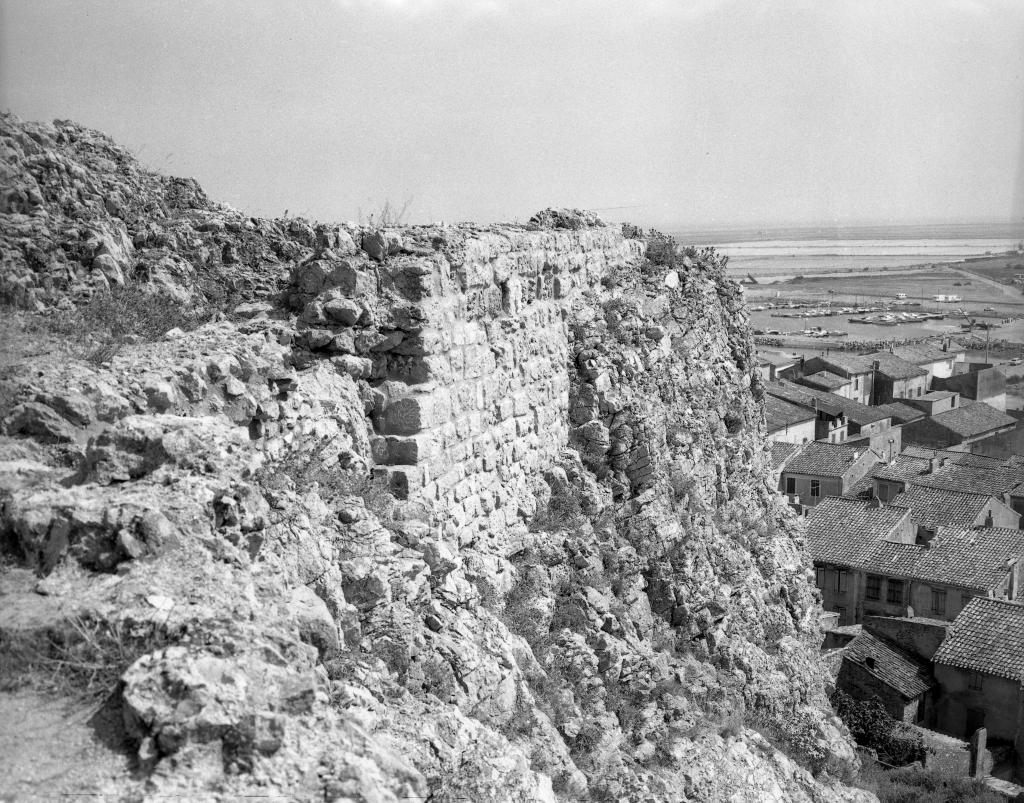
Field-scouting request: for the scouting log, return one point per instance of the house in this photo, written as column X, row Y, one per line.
column 934, row 402
column 870, row 560
column 830, row 419
column 895, row 378
column 976, row 381
column 775, row 364
column 1002, row 480
column 789, row 422
column 979, row 669
column 782, row 453
column 937, row 361
column 900, row 412
column 874, row 667
column 857, row 370
column 872, row 427
column 844, row 539
column 829, row 382
column 934, row 507
column 959, row 427
column 824, row 469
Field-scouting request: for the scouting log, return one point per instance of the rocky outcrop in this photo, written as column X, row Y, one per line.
column 438, row 513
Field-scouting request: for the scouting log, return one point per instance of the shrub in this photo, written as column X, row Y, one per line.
column 871, row 726
column 129, row 315
column 562, row 512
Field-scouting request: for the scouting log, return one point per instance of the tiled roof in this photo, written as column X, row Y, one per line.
column 972, row 419
column 826, row 380
column 893, row 367
column 780, row 413
column 849, row 532
column 987, row 636
column 959, row 458
column 969, row 557
column 864, row 488
column 782, row 451
column 995, row 481
column 926, row 353
column 824, row 460
column 899, row 670
column 991, row 480
column 934, row 507
column 903, row 469
column 901, row 413
column 801, row 394
column 845, row 362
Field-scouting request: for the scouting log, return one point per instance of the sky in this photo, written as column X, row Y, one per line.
column 698, row 113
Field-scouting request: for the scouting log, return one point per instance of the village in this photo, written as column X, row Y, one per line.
column 909, row 472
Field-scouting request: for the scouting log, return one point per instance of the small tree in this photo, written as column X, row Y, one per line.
column 871, row 726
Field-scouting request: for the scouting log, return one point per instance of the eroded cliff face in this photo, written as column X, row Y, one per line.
column 443, row 513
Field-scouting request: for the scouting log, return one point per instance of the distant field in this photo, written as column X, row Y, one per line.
column 1002, row 269
column 918, row 285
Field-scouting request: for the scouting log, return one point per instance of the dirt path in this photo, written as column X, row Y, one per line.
column 52, row 749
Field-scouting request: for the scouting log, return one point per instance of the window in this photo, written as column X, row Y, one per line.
column 842, row 614
column 952, row 402
column 873, row 587
column 819, row 578
column 842, row 581
column 974, row 681
column 919, row 391
column 815, row 488
column 894, row 595
column 791, row 485
column 938, row 601
column 856, row 383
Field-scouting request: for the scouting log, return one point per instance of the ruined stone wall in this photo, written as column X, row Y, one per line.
column 471, row 386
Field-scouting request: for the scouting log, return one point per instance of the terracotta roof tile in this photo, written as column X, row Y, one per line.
column 972, row 419
column 826, row 380
column 824, row 459
column 901, row 413
column 987, row 636
column 893, row 367
column 934, row 507
column 782, row 451
column 849, row 532
column 780, row 413
column 900, row 670
column 926, row 353
column 801, row 394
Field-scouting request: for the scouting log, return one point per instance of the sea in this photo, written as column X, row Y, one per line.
column 779, row 253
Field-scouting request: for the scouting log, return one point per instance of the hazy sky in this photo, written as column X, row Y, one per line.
column 696, row 113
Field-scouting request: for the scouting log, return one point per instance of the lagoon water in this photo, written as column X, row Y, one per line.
column 807, row 250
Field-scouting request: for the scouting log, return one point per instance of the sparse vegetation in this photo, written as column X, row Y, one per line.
column 917, row 784
column 85, row 659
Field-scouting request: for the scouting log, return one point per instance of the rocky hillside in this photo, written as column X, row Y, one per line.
column 431, row 513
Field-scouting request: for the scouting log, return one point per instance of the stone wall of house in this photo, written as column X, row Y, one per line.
column 921, row 636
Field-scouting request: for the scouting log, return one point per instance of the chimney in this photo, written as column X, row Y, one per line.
column 931, row 466
column 945, row 344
